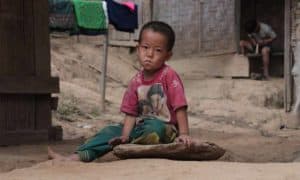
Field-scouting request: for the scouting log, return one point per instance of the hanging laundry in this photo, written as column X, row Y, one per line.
column 129, row 4
column 122, row 17
column 90, row 14
column 61, row 15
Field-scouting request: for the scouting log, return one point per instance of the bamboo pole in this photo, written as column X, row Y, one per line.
column 104, row 70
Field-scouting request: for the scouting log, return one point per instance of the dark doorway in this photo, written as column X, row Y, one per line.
column 270, row 12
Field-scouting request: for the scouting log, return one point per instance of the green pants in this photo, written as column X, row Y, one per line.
column 150, row 131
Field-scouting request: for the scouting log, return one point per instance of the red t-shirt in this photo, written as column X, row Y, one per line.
column 159, row 97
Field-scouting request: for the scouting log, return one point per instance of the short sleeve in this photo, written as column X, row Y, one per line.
column 175, row 92
column 130, row 100
column 271, row 32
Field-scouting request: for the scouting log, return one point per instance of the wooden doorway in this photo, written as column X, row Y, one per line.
column 270, row 12
column 26, row 82
column 279, row 18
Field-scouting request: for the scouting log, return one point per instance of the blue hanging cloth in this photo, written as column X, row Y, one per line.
column 122, row 17
column 61, row 15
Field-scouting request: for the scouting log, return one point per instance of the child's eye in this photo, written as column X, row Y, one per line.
column 158, row 50
column 144, row 47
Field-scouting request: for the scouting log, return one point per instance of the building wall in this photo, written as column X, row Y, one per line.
column 295, row 21
column 295, row 44
column 201, row 26
column 219, row 26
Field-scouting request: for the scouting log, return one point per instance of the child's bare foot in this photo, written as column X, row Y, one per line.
column 54, row 155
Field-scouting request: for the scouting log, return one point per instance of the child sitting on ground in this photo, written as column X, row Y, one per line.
column 156, row 86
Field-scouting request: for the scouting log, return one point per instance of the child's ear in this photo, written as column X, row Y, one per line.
column 169, row 55
column 137, row 47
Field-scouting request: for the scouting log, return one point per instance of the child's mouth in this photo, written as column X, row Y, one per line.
column 147, row 61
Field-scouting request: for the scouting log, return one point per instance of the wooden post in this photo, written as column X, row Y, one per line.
column 177, row 151
column 103, row 71
column 201, row 33
column 238, row 23
column 287, row 56
column 25, row 78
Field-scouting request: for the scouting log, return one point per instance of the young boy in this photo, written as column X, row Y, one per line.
column 260, row 35
column 158, row 87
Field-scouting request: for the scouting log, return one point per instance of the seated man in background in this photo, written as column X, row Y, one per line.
column 260, row 36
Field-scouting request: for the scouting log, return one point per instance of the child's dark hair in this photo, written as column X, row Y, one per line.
column 163, row 28
column 251, row 25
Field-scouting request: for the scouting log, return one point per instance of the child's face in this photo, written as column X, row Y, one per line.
column 152, row 51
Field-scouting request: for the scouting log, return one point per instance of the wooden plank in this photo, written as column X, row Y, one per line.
column 26, row 64
column 123, row 43
column 198, row 151
column 25, row 113
column 23, row 109
column 147, row 6
column 2, row 116
column 13, row 42
column 253, row 55
column 17, row 112
column 287, row 57
column 43, row 112
column 23, row 137
column 141, row 7
column 238, row 23
column 119, row 35
column 29, row 85
column 237, row 66
column 200, row 27
column 54, row 103
column 226, row 65
column 155, row 10
column 42, row 43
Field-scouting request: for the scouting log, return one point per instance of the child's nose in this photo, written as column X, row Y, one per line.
column 150, row 52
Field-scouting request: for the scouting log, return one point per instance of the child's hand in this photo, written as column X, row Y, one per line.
column 261, row 42
column 185, row 139
column 118, row 140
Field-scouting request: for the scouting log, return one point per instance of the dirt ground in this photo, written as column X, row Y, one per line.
column 245, row 117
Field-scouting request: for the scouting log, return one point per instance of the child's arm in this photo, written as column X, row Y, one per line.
column 129, row 122
column 252, row 39
column 183, row 127
column 267, row 41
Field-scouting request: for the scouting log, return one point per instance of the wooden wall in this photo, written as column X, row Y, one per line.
column 26, row 85
column 201, row 26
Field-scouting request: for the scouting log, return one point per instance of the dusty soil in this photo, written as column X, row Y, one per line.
column 243, row 116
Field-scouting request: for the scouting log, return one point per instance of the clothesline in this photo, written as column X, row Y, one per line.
column 92, row 18
column 92, row 15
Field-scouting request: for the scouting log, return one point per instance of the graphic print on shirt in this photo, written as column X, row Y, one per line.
column 152, row 102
